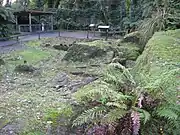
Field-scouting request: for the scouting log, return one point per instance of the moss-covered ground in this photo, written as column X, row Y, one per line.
column 27, row 100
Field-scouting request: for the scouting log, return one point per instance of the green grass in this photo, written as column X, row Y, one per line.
column 34, row 43
column 31, row 55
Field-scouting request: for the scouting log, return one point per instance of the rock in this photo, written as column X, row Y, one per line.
column 133, row 37
column 25, row 68
column 63, row 47
column 2, row 62
column 77, row 72
column 88, row 80
column 60, row 77
column 83, row 53
column 47, row 44
column 130, row 63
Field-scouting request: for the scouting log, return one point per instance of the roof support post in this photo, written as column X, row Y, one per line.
column 30, row 27
column 16, row 17
column 52, row 22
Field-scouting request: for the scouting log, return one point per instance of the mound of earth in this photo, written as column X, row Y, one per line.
column 102, row 51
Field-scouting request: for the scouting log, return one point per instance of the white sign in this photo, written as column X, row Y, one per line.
column 103, row 27
column 91, row 25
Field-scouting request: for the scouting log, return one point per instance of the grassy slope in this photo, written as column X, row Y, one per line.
column 162, row 50
column 158, row 68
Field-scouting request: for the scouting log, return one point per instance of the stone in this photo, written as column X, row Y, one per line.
column 62, row 47
column 130, row 63
column 133, row 37
column 25, row 68
column 47, row 44
column 2, row 62
column 82, row 53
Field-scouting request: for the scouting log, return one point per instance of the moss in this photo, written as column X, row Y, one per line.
column 33, row 133
column 2, row 62
column 59, row 116
column 83, row 53
column 162, row 50
column 102, row 51
column 100, row 43
column 159, row 64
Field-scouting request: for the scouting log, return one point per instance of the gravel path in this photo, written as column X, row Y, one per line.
column 8, row 46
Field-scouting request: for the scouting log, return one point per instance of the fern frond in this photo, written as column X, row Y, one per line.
column 90, row 115
column 118, row 105
column 100, row 90
column 167, row 113
column 118, row 74
column 114, row 115
column 143, row 113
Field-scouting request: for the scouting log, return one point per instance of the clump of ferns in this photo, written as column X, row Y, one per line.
column 164, row 107
column 112, row 101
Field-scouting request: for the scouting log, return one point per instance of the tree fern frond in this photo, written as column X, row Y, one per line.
column 167, row 113
column 90, row 115
column 118, row 105
column 113, row 115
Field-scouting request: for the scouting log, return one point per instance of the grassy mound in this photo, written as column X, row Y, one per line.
column 157, row 70
column 102, row 51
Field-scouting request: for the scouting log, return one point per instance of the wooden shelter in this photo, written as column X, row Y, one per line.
column 29, row 14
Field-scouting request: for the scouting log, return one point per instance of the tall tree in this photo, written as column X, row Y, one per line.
column 132, row 10
column 123, row 8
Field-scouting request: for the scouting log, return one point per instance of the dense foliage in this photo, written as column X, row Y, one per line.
column 123, row 15
column 6, row 17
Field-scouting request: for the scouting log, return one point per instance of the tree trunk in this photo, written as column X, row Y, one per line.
column 50, row 3
column 123, row 9
column 132, row 9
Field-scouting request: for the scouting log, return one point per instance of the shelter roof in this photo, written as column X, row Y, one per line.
column 33, row 13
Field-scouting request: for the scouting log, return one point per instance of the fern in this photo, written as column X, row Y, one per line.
column 167, row 113
column 90, row 115
column 113, row 115
column 144, row 115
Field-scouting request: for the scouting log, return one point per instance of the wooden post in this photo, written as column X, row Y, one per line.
column 59, row 33
column 39, row 23
column 19, row 28
column 16, row 23
column 106, row 34
column 94, row 31
column 88, row 33
column 52, row 22
column 30, row 28
column 39, row 35
column 17, row 38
